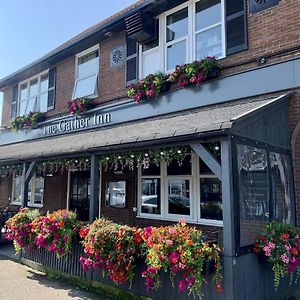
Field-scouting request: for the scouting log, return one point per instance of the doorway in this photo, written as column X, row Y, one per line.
column 80, row 194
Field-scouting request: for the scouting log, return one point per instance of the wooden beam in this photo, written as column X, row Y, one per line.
column 28, row 170
column 94, row 197
column 209, row 159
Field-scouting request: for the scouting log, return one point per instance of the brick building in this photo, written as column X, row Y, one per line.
column 234, row 140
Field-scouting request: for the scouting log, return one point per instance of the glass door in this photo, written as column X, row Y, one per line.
column 80, row 194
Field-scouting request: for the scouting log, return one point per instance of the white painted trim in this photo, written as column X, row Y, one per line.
column 100, row 189
column 27, row 82
column 195, row 195
column 76, row 79
column 257, row 108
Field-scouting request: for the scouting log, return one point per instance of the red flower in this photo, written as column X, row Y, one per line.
column 219, row 287
column 285, row 236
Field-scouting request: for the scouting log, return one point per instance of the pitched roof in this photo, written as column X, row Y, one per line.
column 172, row 127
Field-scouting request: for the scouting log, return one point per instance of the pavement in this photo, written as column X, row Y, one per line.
column 19, row 282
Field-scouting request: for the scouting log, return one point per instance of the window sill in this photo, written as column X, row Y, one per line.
column 35, row 205
column 188, row 220
column 15, row 203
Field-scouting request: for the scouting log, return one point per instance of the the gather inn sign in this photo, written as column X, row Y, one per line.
column 76, row 124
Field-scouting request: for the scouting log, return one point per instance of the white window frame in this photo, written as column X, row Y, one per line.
column 37, row 77
column 195, row 195
column 30, row 202
column 76, row 79
column 190, row 38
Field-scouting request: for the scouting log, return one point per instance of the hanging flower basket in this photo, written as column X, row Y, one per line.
column 79, row 106
column 29, row 121
column 188, row 74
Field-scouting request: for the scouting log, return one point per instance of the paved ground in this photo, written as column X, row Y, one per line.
column 18, row 282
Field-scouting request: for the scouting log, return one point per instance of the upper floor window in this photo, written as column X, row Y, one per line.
column 87, row 69
column 33, row 94
column 188, row 32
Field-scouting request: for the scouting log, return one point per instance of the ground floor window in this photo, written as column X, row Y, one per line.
column 181, row 190
column 265, row 189
column 35, row 191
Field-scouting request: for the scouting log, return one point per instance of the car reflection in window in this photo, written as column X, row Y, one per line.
column 179, row 205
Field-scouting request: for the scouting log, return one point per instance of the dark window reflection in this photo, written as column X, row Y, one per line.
column 179, row 196
column 281, row 174
column 150, row 196
column 211, row 199
column 253, row 191
column 180, row 168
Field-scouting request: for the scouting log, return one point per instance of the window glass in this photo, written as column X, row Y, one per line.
column 253, row 191
column 211, row 199
column 17, row 189
column 150, row 196
column 179, row 197
column 282, row 187
column 209, row 43
column 177, row 25
column 39, row 190
column 88, row 65
column 116, row 194
column 153, row 170
column 33, row 89
column 181, row 168
column 176, row 54
column 44, row 84
column 43, row 102
column 207, row 13
column 23, row 92
column 86, row 87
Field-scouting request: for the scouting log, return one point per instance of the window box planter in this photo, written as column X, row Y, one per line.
column 214, row 73
column 29, row 121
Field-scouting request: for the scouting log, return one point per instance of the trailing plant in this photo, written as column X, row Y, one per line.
column 181, row 250
column 192, row 73
column 79, row 105
column 55, row 231
column 195, row 72
column 29, row 121
column 149, row 87
column 7, row 170
column 19, row 229
column 112, row 248
column 144, row 158
column 280, row 244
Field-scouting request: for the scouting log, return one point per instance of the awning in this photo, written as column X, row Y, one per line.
column 191, row 123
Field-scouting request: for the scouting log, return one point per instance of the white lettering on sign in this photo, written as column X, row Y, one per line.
column 76, row 124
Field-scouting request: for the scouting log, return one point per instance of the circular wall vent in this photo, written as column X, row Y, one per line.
column 117, row 56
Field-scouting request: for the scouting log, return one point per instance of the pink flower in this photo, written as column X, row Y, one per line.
column 287, row 247
column 173, row 258
column 169, row 243
column 267, row 250
column 284, row 258
column 182, row 285
column 271, row 245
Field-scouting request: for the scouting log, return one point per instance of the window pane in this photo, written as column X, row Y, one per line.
column 43, row 102
column 17, row 189
column 151, row 62
column 88, row 65
column 116, row 194
column 22, row 108
column 177, row 25
column 207, row 13
column 150, row 196
column 181, row 168
column 44, row 84
column 39, row 190
column 209, row 43
column 179, row 196
column 211, row 199
column 215, row 150
column 253, row 191
column 33, row 89
column 86, row 87
column 31, row 105
column 23, row 91
column 152, row 170
column 176, row 54
column 282, row 187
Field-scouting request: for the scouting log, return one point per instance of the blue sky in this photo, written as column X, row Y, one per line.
column 31, row 28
